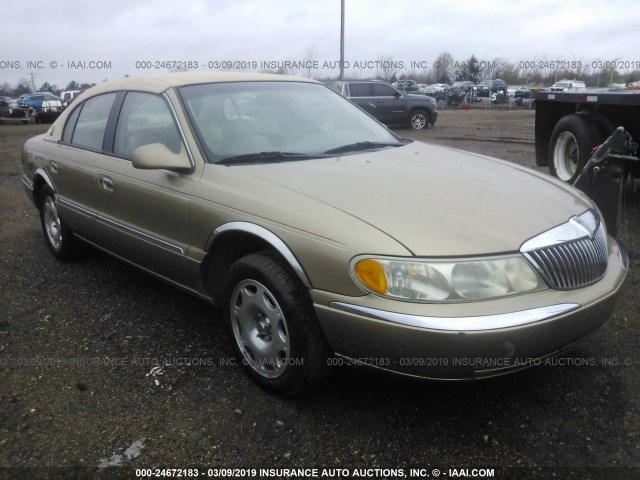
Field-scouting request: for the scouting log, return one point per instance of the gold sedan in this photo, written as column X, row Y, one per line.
column 325, row 238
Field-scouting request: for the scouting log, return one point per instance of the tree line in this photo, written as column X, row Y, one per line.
column 25, row 86
column 539, row 70
column 535, row 71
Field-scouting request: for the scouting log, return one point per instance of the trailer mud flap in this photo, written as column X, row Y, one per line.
column 603, row 184
column 602, row 178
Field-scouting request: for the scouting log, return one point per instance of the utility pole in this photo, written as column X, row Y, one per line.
column 341, row 39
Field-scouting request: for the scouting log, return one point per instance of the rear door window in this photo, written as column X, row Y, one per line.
column 145, row 119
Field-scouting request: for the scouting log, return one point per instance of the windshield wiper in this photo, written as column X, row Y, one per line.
column 275, row 156
column 361, row 146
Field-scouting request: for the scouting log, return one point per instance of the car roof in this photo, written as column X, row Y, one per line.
column 356, row 80
column 161, row 82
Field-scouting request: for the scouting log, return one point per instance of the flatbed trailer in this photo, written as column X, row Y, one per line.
column 569, row 125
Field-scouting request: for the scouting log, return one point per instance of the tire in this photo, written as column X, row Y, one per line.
column 58, row 236
column 419, row 119
column 606, row 127
column 572, row 141
column 272, row 325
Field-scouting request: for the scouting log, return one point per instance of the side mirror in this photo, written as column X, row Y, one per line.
column 158, row 156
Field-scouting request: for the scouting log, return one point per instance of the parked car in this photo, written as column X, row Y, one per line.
column 500, row 97
column 571, row 85
column 387, row 104
column 436, row 90
column 525, row 97
column 439, row 87
column 512, row 89
column 465, row 85
column 325, row 238
column 46, row 106
column 459, row 91
column 486, row 87
column 10, row 109
column 523, row 91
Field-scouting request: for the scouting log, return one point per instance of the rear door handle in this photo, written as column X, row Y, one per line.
column 53, row 167
column 107, row 184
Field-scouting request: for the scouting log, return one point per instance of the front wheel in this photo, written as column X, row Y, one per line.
column 572, row 141
column 57, row 234
column 418, row 119
column 272, row 324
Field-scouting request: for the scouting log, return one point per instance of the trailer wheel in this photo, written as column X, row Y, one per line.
column 572, row 142
column 603, row 123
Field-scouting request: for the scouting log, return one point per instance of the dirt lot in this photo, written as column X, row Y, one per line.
column 78, row 343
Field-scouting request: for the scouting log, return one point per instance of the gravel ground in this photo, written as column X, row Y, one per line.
column 78, row 343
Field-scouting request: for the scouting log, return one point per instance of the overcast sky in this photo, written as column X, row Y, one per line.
column 118, row 33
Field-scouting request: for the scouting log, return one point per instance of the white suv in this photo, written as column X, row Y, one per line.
column 68, row 96
column 563, row 85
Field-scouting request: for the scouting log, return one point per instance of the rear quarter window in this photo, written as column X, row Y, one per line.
column 91, row 122
column 382, row 90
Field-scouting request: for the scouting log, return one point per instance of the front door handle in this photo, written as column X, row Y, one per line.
column 107, row 184
column 53, row 167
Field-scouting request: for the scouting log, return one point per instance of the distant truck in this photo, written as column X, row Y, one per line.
column 570, row 124
column 564, row 85
column 67, row 96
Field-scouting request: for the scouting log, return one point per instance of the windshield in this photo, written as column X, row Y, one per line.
column 278, row 121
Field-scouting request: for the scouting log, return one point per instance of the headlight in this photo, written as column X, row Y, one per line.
column 446, row 280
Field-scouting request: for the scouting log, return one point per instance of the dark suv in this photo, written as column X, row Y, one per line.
column 387, row 104
column 486, row 87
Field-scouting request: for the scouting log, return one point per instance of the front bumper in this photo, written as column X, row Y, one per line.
column 471, row 340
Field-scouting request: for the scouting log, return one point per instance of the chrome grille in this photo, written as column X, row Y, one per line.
column 575, row 255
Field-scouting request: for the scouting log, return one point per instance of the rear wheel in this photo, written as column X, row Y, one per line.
column 272, row 324
column 572, row 141
column 58, row 236
column 419, row 119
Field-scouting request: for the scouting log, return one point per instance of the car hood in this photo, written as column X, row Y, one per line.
column 435, row 201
